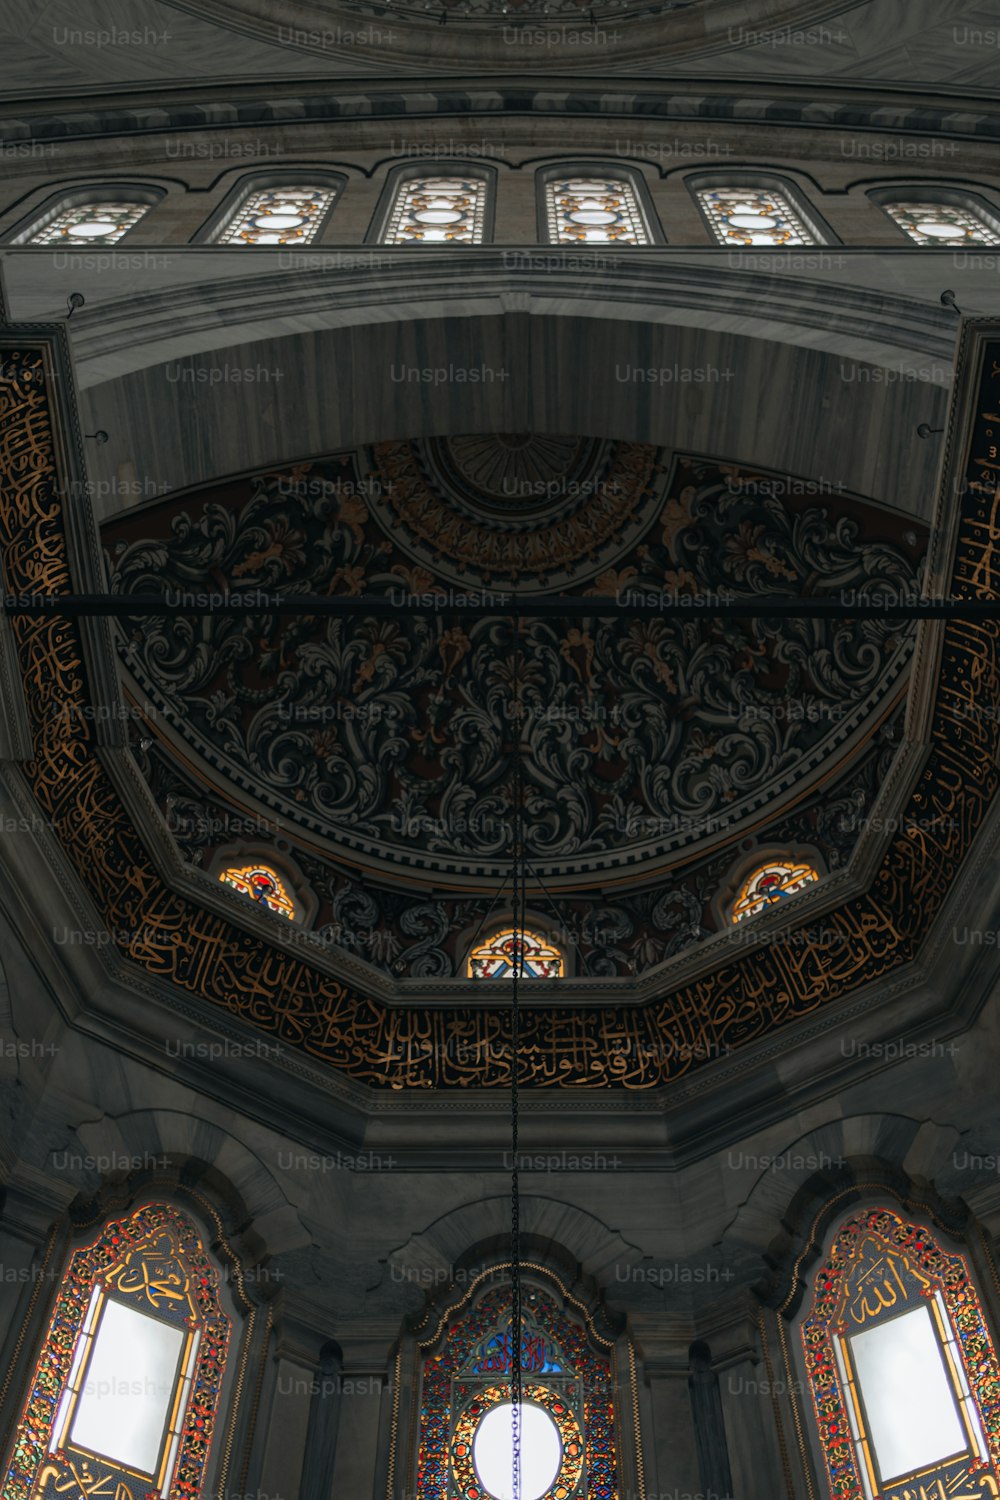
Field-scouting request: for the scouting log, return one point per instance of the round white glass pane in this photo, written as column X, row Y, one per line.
column 592, row 216
column 939, row 231
column 437, row 216
column 94, row 228
column 541, row 1452
column 278, row 221
column 753, row 221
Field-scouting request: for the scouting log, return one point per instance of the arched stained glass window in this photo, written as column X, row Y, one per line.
column 902, row 1369
column 279, row 216
column 770, row 884
column 594, row 210
column 123, row 1401
column 102, row 221
column 430, row 210
column 941, row 223
column 528, row 953
column 568, row 1447
column 753, row 216
column 261, row 883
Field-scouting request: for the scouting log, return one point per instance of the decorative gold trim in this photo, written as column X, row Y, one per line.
column 174, row 1188
column 526, row 1265
column 633, row 1380
column 988, row 1253
column 800, row 1436
column 786, row 1463
column 258, row 1384
column 861, row 1187
column 234, row 1405
column 394, row 1424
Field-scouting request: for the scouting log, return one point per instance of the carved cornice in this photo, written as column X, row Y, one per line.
column 850, row 106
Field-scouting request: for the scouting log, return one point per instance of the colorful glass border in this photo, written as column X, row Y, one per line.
column 527, row 952
column 770, row 883
column 138, row 1257
column 463, row 1466
column 943, row 1273
column 586, row 1369
column 262, row 884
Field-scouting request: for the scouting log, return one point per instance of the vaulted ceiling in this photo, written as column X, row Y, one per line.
column 445, row 520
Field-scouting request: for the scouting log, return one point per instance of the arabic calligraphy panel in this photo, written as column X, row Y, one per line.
column 153, row 1258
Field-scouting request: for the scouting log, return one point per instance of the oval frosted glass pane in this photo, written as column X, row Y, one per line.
column 541, row 1452
column 938, row 230
column 128, row 1388
column 912, row 1417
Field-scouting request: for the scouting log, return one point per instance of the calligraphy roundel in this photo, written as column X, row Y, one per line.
column 471, row 1484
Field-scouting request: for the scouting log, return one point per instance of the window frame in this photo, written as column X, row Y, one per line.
column 83, row 1262
column 64, row 199
column 762, row 181
column 612, row 170
column 279, row 859
column 570, row 1385
column 404, row 172
column 257, row 181
column 948, row 1246
column 747, row 864
column 476, row 935
column 946, row 197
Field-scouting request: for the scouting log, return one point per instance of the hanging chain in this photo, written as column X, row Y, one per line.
column 519, row 914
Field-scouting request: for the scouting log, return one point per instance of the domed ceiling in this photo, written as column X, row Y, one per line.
column 379, row 751
column 180, row 944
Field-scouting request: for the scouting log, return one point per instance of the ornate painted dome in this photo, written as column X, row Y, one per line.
column 386, row 744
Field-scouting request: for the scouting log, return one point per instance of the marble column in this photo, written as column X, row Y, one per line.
column 709, row 1425
column 324, row 1423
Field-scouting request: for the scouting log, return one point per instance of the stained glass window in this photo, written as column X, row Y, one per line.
column 261, row 883
column 432, row 209
column 941, row 224
column 594, row 209
column 124, row 1397
column 101, row 222
column 904, row 1377
column 568, row 1436
column 753, row 216
column 528, row 954
column 770, row 884
column 279, row 216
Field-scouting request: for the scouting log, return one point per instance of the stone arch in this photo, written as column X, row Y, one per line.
column 381, row 355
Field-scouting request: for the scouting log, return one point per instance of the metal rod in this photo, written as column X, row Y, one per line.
column 519, row 913
column 875, row 606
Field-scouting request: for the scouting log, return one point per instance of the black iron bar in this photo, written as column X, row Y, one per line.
column 569, row 606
